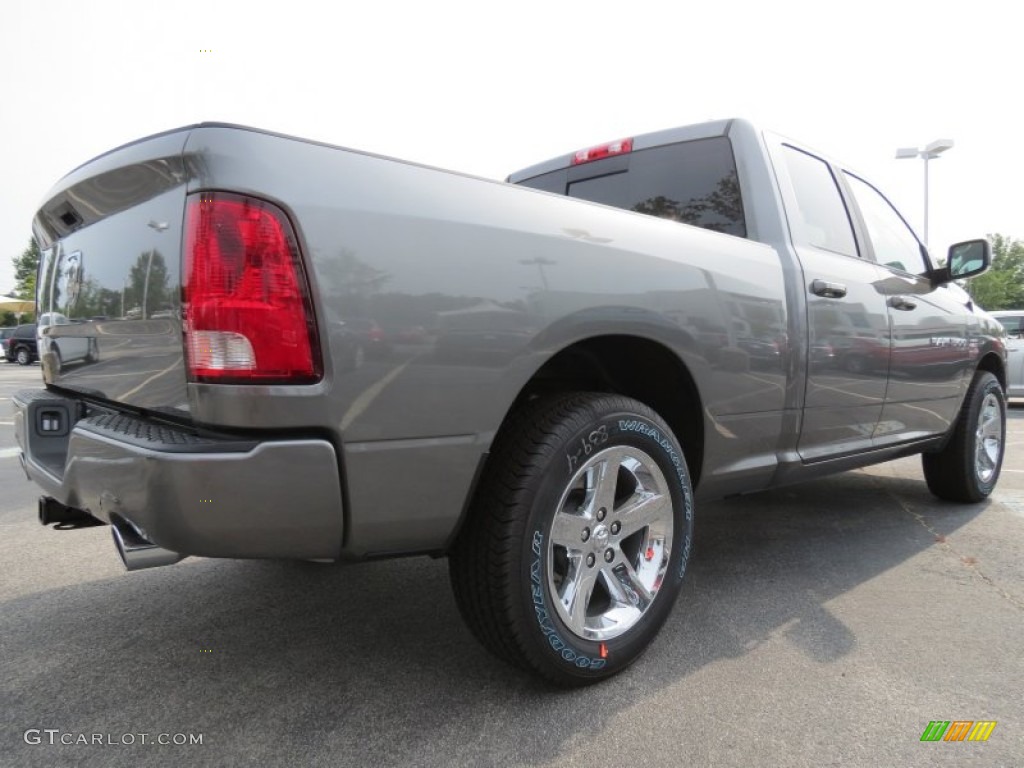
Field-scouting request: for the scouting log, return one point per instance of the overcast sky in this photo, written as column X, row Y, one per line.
column 487, row 88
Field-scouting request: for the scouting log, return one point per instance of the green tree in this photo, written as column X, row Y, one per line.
column 1002, row 287
column 25, row 268
column 148, row 285
column 720, row 210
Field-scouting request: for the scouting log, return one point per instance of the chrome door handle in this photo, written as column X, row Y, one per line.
column 902, row 302
column 828, row 290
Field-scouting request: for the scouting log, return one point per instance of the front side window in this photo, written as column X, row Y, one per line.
column 821, row 219
column 894, row 244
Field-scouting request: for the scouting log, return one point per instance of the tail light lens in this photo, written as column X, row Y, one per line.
column 245, row 299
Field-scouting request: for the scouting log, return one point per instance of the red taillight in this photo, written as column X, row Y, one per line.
column 621, row 147
column 245, row 300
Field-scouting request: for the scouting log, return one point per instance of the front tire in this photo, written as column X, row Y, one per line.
column 967, row 469
column 578, row 539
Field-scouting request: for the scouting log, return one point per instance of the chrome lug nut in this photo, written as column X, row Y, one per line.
column 586, row 534
column 616, row 527
column 601, row 513
column 590, row 560
column 609, row 555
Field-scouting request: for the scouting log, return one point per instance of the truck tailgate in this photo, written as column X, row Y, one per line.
column 109, row 298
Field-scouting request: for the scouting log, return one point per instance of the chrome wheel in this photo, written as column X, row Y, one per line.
column 610, row 543
column 579, row 536
column 967, row 468
column 988, row 439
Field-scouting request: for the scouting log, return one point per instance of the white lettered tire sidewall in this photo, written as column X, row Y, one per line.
column 559, row 647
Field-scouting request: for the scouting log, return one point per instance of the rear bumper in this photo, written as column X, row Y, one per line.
column 213, row 496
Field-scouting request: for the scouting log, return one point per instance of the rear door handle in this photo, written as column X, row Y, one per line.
column 902, row 302
column 828, row 290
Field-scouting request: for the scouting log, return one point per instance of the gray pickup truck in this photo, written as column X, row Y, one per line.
column 275, row 348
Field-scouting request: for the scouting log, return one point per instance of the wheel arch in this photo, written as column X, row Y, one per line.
column 992, row 363
column 635, row 366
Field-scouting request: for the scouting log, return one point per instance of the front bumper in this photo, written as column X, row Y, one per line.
column 188, row 492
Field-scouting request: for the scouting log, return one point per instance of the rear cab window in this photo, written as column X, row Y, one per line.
column 692, row 182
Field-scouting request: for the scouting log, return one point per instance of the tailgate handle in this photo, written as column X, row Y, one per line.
column 902, row 302
column 828, row 290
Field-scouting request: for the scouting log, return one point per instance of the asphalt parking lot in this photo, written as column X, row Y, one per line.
column 821, row 625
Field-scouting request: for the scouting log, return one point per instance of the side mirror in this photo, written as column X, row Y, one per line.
column 969, row 259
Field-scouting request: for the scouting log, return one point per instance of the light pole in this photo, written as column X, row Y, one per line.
column 930, row 152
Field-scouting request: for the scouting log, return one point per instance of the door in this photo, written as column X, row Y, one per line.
column 848, row 342
column 931, row 362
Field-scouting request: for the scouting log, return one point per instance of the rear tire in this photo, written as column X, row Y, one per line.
column 967, row 469
column 23, row 356
column 578, row 538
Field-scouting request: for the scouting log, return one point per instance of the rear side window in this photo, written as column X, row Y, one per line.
column 693, row 182
column 820, row 219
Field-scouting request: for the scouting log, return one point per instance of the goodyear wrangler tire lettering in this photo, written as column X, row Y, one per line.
column 578, row 539
column 554, row 640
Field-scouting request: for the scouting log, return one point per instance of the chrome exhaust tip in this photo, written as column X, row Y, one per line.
column 138, row 552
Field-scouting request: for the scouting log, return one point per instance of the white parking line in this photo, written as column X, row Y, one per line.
column 9, row 453
column 155, row 376
column 361, row 403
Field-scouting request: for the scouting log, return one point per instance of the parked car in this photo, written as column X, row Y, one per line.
column 1013, row 322
column 5, row 334
column 372, row 338
column 22, row 346
column 347, row 341
column 63, row 341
